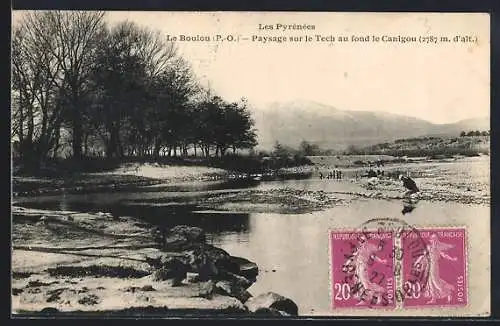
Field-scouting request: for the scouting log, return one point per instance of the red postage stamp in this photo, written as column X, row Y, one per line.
column 362, row 269
column 435, row 275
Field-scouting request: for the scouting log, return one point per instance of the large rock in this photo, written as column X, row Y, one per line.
column 238, row 280
column 245, row 268
column 182, row 237
column 172, row 269
column 270, row 300
column 232, row 289
column 209, row 262
column 206, row 289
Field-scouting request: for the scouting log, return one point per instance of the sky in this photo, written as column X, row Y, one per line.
column 440, row 83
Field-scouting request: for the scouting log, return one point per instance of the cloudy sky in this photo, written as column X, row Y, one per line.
column 440, row 83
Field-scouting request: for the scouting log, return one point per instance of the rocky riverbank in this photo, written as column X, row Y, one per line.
column 464, row 191
column 74, row 263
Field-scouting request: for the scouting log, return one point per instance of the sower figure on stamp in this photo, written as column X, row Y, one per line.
column 364, row 257
column 436, row 287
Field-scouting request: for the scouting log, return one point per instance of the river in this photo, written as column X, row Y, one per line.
column 291, row 250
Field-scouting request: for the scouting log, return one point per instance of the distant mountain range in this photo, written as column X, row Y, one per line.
column 331, row 128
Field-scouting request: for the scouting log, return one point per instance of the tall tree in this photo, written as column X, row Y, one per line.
column 71, row 38
column 171, row 115
column 208, row 120
column 235, row 127
column 157, row 55
column 118, row 82
column 36, row 99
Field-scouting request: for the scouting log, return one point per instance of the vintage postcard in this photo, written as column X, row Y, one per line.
column 244, row 164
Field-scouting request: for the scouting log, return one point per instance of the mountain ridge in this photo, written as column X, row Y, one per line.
column 330, row 128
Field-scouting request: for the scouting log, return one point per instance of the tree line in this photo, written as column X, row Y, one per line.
column 473, row 133
column 112, row 90
column 304, row 148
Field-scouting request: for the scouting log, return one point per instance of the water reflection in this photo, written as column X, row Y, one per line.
column 164, row 216
column 202, row 186
column 63, row 204
column 409, row 205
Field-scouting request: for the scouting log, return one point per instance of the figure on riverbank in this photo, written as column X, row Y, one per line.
column 335, row 175
column 409, row 184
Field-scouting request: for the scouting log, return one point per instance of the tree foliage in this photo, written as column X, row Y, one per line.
column 475, row 133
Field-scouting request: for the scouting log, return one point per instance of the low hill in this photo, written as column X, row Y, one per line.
column 429, row 146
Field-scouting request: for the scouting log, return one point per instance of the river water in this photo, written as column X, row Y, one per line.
column 291, row 250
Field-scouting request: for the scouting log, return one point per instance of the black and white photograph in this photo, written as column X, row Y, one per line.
column 250, row 164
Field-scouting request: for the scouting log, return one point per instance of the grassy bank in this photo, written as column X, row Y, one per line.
column 234, row 163
column 93, row 174
column 82, row 182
